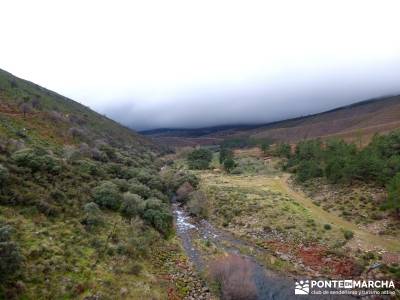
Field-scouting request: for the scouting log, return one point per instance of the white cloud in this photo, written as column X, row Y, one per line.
column 143, row 55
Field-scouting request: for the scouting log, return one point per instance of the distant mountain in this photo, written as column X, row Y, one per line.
column 359, row 121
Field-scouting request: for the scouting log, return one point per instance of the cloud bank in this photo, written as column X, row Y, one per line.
column 183, row 63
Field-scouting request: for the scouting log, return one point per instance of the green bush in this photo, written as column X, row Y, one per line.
column 107, row 195
column 10, row 255
column 138, row 188
column 93, row 215
column 348, row 234
column 36, row 160
column 131, row 205
column 199, row 159
column 224, row 154
column 198, row 204
column 157, row 214
column 229, row 164
column 161, row 220
column 308, row 169
column 3, row 174
column 327, row 226
column 393, row 200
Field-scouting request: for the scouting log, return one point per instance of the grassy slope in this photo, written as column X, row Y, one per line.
column 62, row 259
column 41, row 123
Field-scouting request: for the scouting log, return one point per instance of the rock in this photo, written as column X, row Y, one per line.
column 124, row 291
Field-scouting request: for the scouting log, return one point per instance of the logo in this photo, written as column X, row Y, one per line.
column 302, row 287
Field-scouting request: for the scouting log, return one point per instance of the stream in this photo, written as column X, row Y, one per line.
column 269, row 284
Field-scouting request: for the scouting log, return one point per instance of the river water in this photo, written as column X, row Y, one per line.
column 269, row 284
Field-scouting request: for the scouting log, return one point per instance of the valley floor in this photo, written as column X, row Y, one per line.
column 266, row 217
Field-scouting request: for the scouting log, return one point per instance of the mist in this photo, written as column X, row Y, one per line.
column 152, row 64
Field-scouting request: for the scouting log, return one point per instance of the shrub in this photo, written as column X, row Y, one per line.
column 234, row 276
column 183, row 192
column 131, row 205
column 161, row 220
column 93, row 215
column 58, row 196
column 229, row 165
column 10, row 255
column 3, row 174
column 107, row 195
column 47, row 208
column 199, row 159
column 138, row 188
column 36, row 160
column 308, row 169
column 156, row 213
column 393, row 200
column 348, row 234
column 225, row 154
column 283, row 150
column 327, row 226
column 198, row 204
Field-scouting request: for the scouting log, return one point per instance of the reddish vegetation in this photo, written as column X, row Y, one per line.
column 234, row 275
column 316, row 257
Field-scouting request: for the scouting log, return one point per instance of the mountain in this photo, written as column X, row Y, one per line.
column 358, row 121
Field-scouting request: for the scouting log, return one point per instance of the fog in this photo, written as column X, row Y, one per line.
column 151, row 64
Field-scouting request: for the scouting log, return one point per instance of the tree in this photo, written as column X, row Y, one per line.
column 199, row 159
column 393, row 200
column 229, row 164
column 225, row 153
column 265, row 146
column 25, row 108
column 284, row 150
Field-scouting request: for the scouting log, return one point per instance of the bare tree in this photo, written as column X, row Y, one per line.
column 235, row 276
column 25, row 108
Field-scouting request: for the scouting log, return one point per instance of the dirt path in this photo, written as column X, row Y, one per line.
column 362, row 238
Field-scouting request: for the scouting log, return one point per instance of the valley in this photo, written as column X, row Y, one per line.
column 91, row 210
column 264, row 216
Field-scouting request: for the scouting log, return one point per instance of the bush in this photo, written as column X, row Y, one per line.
column 308, row 169
column 199, row 159
column 224, row 154
column 107, row 195
column 327, row 227
column 156, row 213
column 3, row 174
column 138, row 188
column 93, row 215
column 36, row 160
column 161, row 220
column 10, row 255
column 229, row 165
column 348, row 234
column 131, row 205
column 183, row 192
column 393, row 200
column 234, row 276
column 198, row 204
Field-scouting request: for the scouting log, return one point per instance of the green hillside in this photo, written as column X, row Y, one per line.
column 84, row 213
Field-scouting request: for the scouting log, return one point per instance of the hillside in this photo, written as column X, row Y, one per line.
column 354, row 122
column 84, row 213
column 54, row 118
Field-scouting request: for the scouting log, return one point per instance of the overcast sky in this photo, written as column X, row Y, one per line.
column 197, row 63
